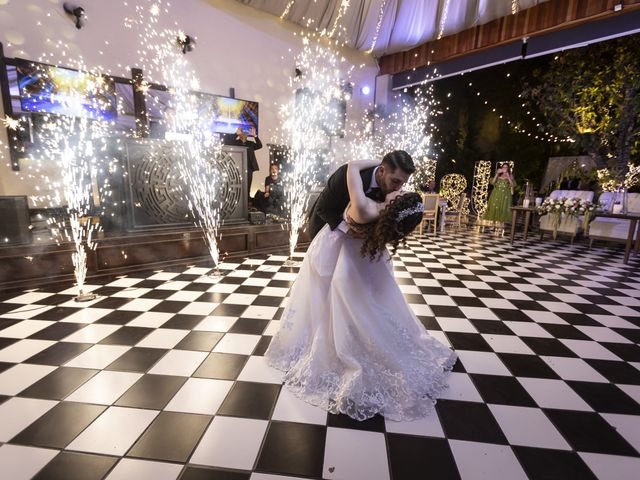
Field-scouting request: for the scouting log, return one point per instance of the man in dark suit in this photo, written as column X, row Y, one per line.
column 392, row 173
column 241, row 139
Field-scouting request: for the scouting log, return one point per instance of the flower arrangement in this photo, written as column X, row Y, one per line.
column 551, row 206
column 571, row 207
column 568, row 206
column 575, row 207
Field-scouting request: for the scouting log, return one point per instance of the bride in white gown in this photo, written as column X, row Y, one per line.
column 348, row 341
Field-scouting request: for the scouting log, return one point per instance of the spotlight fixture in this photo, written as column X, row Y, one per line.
column 76, row 12
column 298, row 72
column 365, row 90
column 186, row 42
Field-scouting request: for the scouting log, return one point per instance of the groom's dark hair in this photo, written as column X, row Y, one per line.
column 399, row 159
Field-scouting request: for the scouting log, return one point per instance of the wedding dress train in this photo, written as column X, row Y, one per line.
column 349, row 342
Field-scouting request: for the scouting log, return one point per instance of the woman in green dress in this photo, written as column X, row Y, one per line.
column 499, row 204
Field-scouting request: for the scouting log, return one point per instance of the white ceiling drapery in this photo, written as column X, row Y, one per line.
column 394, row 25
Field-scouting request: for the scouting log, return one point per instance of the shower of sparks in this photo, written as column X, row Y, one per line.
column 364, row 145
column 311, row 117
column 195, row 147
column 409, row 127
column 78, row 147
column 10, row 122
column 376, row 34
column 425, row 173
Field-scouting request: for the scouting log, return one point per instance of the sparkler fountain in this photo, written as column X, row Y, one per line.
column 79, row 149
column 163, row 52
column 309, row 117
column 409, row 127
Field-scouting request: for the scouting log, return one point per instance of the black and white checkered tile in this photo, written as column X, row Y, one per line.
column 163, row 377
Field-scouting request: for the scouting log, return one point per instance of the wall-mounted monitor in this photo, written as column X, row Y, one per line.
column 232, row 113
column 62, row 91
column 216, row 114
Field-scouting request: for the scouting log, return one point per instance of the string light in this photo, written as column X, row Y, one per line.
column 606, row 180
column 611, row 181
column 451, row 186
column 344, row 5
column 443, row 19
column 544, row 136
column 287, row 8
column 480, row 187
column 632, row 177
column 376, row 34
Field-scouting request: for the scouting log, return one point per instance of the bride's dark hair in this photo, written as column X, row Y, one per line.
column 390, row 229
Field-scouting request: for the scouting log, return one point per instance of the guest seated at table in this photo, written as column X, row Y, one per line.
column 272, row 199
column 429, row 187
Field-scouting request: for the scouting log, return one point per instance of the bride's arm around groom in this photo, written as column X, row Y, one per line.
column 361, row 209
column 330, row 205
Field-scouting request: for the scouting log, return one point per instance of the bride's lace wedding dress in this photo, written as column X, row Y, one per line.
column 349, row 342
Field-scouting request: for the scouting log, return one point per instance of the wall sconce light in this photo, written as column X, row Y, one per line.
column 76, row 12
column 186, row 42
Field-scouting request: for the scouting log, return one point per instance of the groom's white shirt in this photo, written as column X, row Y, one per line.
column 342, row 226
column 374, row 182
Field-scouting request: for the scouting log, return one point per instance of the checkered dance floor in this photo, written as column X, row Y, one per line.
column 163, row 375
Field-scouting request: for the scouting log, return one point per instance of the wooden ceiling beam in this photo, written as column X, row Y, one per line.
column 546, row 17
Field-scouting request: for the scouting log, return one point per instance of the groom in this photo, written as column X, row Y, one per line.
column 389, row 176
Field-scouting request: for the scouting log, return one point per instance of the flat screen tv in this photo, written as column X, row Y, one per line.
column 62, row 91
column 229, row 114
column 216, row 114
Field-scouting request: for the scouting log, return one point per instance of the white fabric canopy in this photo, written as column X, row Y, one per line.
column 394, row 25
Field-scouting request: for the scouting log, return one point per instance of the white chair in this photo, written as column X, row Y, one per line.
column 431, row 202
column 454, row 216
column 613, row 229
column 581, row 194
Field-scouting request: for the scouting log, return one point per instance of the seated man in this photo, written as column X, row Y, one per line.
column 429, row 187
column 272, row 199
